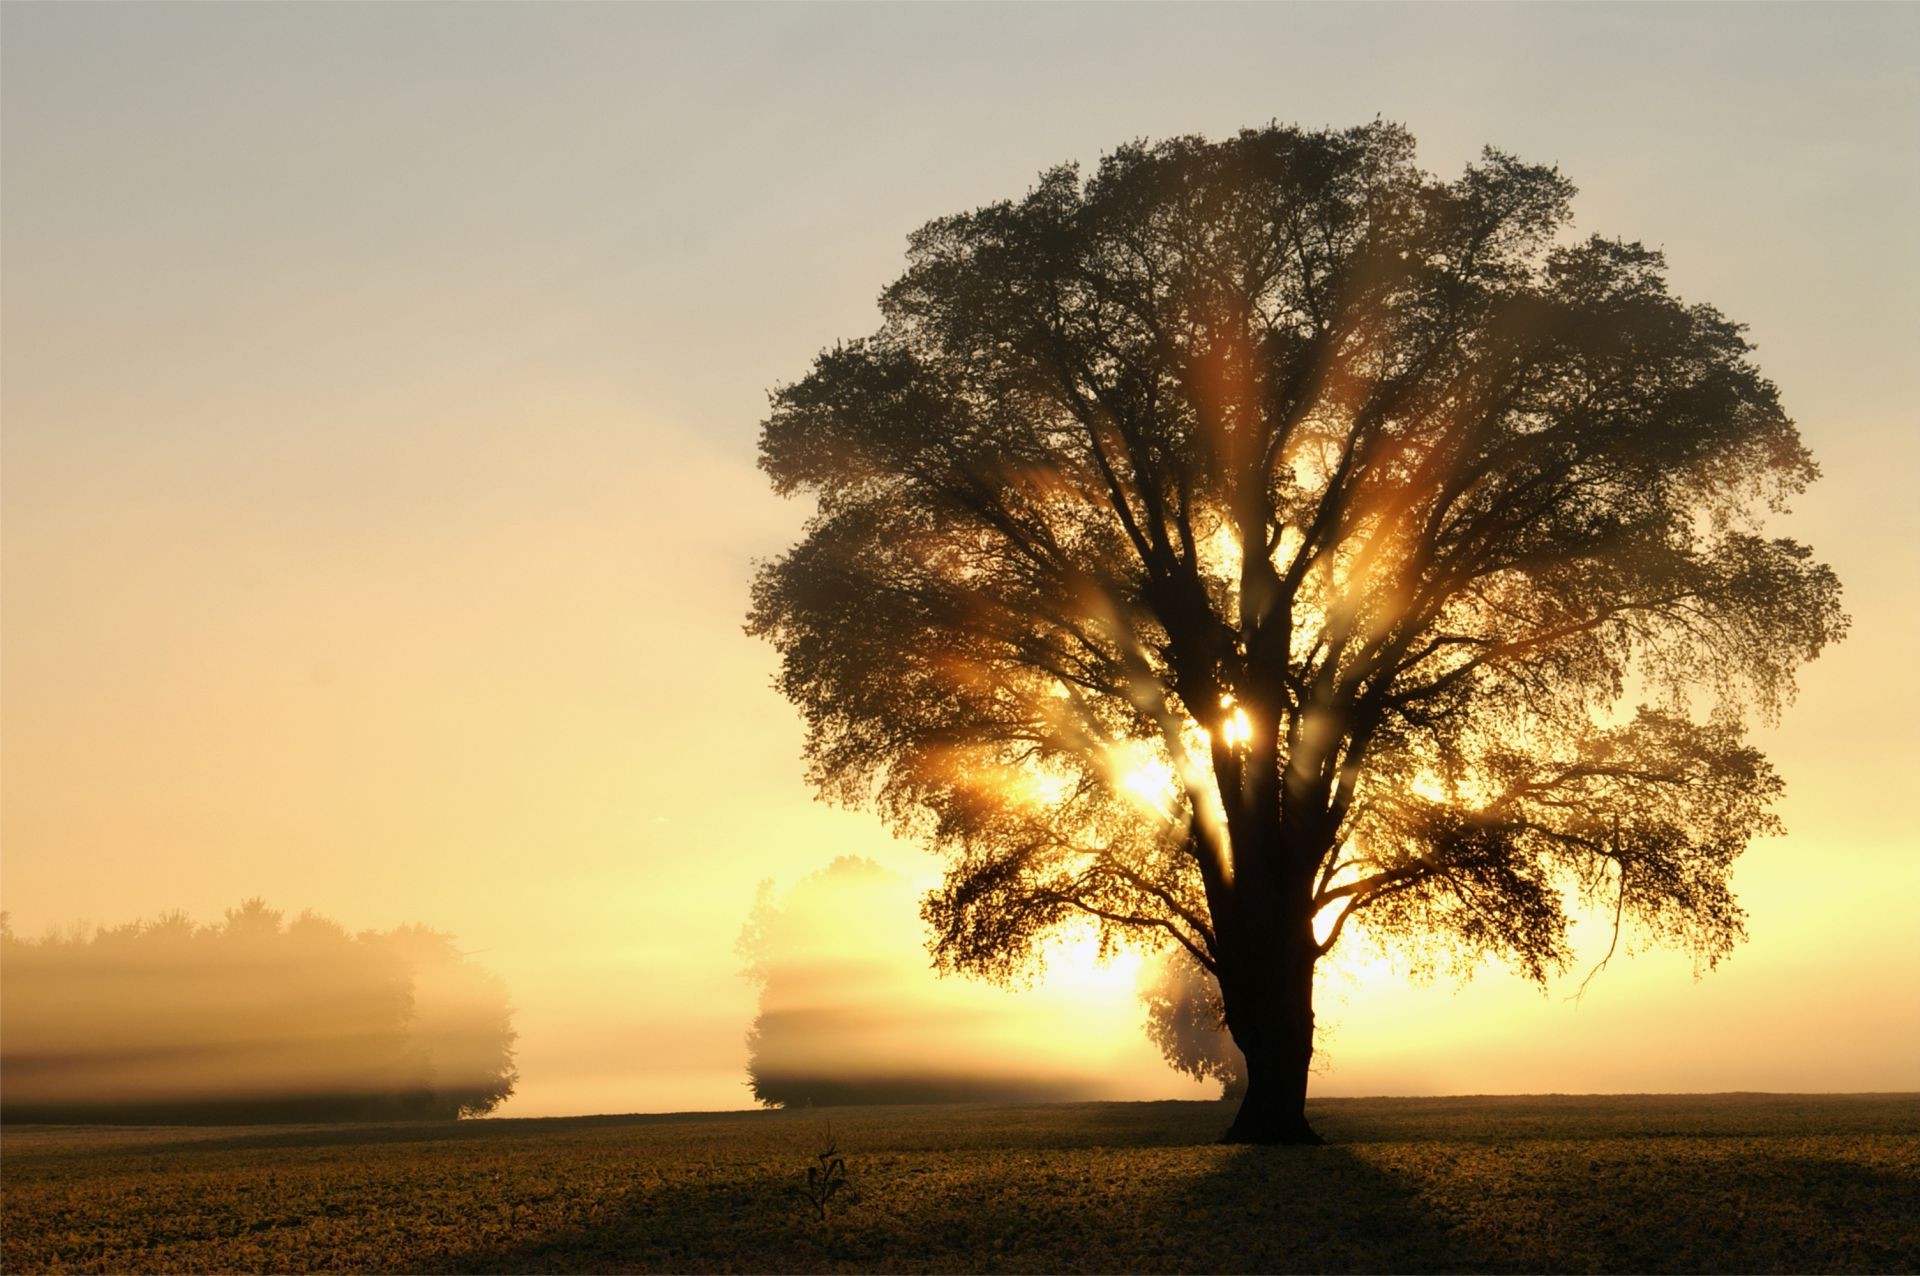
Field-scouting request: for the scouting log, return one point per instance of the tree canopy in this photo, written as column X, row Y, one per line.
column 1265, row 534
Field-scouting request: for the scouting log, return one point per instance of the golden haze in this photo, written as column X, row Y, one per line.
column 379, row 411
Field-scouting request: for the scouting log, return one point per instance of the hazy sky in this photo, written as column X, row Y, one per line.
column 381, row 386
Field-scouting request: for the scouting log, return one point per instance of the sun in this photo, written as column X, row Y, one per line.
column 1236, row 731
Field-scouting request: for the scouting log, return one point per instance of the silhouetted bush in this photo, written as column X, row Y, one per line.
column 250, row 1019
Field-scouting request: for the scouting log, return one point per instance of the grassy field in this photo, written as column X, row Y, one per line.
column 1635, row 1183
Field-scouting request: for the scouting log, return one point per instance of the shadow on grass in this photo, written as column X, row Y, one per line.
column 1749, row 1210
column 1581, row 1185
column 1107, row 1209
column 1659, row 1204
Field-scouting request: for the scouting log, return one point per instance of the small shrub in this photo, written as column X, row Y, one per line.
column 827, row 1176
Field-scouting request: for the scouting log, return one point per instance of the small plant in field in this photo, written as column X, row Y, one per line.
column 827, row 1176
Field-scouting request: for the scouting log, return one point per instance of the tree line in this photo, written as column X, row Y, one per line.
column 252, row 1018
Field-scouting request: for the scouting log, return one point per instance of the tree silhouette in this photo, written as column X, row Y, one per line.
column 1263, row 536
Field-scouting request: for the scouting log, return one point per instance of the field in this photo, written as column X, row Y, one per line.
column 1630, row 1183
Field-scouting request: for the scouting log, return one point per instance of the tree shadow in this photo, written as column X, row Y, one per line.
column 1304, row 1209
column 1094, row 1209
column 984, row 1200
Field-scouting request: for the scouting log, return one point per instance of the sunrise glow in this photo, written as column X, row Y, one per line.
column 1006, row 638
column 383, row 396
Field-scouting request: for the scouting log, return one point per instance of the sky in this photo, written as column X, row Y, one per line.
column 379, row 391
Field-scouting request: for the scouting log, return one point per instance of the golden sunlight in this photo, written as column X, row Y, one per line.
column 1220, row 553
column 1329, row 913
column 1139, row 772
column 1046, row 788
column 1074, row 965
column 1237, row 730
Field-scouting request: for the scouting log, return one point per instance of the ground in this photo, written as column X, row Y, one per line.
column 1616, row 1183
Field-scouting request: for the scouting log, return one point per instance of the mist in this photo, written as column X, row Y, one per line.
column 849, row 1014
column 381, row 403
column 248, row 1019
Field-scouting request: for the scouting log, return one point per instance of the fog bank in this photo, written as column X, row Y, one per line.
column 249, row 1019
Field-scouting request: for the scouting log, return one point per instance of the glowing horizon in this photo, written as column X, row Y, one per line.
column 379, row 485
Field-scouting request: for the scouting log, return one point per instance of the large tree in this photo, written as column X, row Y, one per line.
column 1265, row 536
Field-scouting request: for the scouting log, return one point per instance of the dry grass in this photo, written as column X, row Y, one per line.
column 1650, row 1183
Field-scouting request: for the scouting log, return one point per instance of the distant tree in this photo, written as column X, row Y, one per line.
column 843, row 1021
column 1265, row 535
column 1189, row 1025
column 461, row 1022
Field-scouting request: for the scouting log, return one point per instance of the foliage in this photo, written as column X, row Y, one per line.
column 825, row 1177
column 1638, row 1183
column 1263, row 534
column 249, row 1019
column 1186, row 1021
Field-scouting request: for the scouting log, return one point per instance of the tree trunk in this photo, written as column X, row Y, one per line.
column 1271, row 1018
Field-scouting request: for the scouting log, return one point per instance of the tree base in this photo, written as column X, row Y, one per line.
column 1273, row 1134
